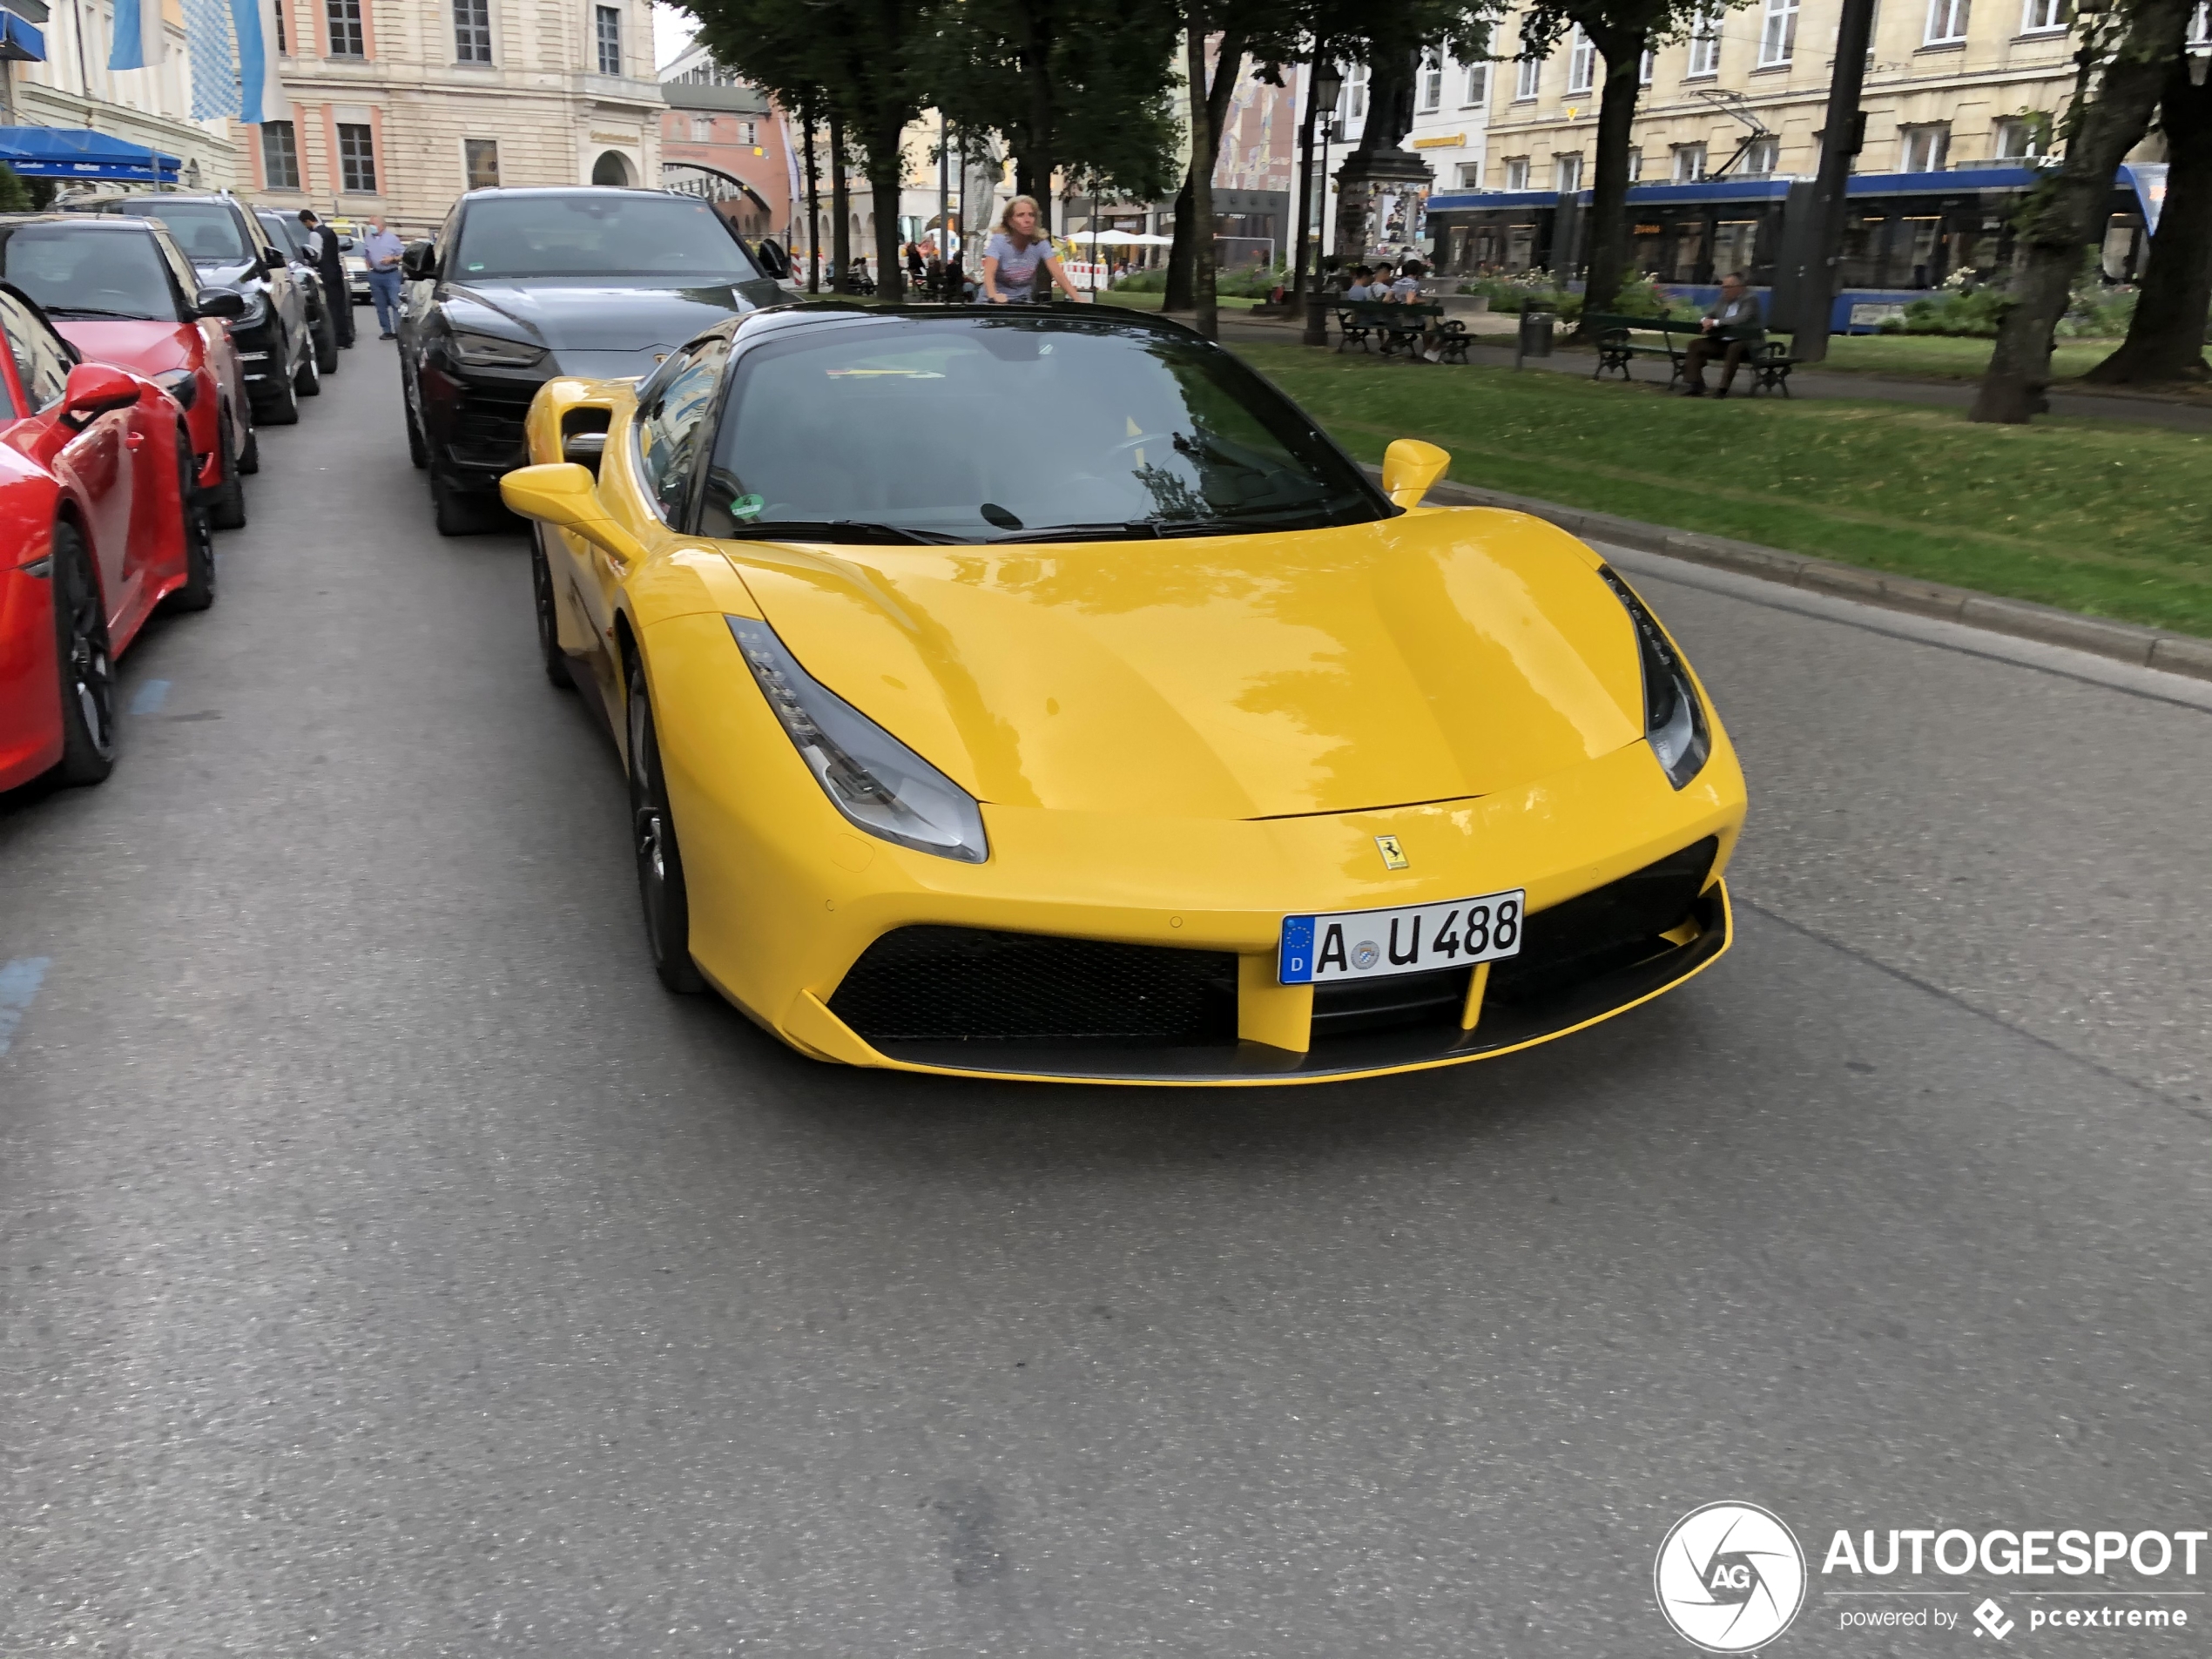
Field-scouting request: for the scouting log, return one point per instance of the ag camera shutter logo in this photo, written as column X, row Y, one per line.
column 1729, row 1577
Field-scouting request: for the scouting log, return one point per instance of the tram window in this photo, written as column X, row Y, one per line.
column 1734, row 241
column 2122, row 249
column 1690, row 249
column 1521, row 248
column 1650, row 249
column 1922, row 237
column 1859, row 264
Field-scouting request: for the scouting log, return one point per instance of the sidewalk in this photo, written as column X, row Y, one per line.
column 1812, row 383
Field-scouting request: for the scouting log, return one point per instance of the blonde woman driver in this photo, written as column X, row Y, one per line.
column 1017, row 249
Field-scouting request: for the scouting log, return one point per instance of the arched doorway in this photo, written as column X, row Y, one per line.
column 611, row 168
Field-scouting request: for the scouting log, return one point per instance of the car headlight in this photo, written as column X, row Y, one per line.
column 256, row 312
column 493, row 351
column 879, row 783
column 182, row 384
column 1674, row 715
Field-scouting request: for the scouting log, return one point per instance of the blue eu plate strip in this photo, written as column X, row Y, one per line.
column 1296, row 965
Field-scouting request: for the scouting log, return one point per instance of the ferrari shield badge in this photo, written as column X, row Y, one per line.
column 1393, row 855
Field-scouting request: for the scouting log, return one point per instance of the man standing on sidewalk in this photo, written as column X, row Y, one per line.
column 381, row 250
column 330, row 265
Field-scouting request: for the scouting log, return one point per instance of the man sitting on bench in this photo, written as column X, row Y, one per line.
column 1732, row 326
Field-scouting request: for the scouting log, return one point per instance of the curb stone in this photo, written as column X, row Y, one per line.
column 2121, row 641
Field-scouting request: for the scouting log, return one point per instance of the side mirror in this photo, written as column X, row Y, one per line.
column 774, row 259
column 275, row 260
column 223, row 303
column 1409, row 468
column 565, row 494
column 93, row 389
column 420, row 262
column 345, row 244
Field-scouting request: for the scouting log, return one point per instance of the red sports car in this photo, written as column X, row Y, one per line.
column 122, row 291
column 100, row 522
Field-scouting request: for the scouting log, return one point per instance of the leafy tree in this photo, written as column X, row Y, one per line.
column 2128, row 48
column 1622, row 30
column 2166, row 336
column 14, row 195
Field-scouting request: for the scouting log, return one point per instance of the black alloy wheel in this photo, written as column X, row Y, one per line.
column 555, row 660
column 227, row 510
column 462, row 511
column 307, row 380
column 249, row 455
column 652, row 835
column 198, row 591
column 327, row 343
column 281, row 407
column 87, row 670
column 418, row 450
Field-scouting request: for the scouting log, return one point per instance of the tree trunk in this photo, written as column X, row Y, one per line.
column 1179, row 296
column 2166, row 337
column 2066, row 213
column 814, row 207
column 1033, row 140
column 1623, row 53
column 1201, row 160
column 885, row 170
column 1304, row 186
column 841, row 209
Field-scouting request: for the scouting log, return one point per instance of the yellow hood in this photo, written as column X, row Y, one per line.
column 1432, row 656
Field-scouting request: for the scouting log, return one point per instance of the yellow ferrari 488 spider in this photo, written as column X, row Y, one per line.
column 1039, row 693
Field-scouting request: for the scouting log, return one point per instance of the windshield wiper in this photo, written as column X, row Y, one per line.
column 838, row 530
column 1127, row 529
column 95, row 311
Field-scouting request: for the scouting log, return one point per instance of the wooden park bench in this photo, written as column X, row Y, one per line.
column 1397, row 328
column 1621, row 340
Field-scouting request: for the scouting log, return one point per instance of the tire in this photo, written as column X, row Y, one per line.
column 652, row 838
column 198, row 591
column 327, row 345
column 87, row 670
column 227, row 510
column 418, row 451
column 281, row 409
column 307, row 380
column 462, row 512
column 249, row 458
column 554, row 660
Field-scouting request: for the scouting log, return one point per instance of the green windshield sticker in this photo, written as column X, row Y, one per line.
column 747, row 506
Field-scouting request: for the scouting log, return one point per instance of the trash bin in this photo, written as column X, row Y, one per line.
column 1536, row 333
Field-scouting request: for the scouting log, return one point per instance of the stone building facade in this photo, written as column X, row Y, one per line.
column 399, row 106
column 725, row 140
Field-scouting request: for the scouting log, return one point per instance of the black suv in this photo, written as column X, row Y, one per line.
column 522, row 284
column 288, row 233
column 231, row 249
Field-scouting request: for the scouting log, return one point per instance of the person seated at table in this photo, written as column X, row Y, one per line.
column 1363, row 284
column 1732, row 325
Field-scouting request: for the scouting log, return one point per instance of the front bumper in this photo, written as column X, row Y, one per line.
column 787, row 899
column 473, row 418
column 31, row 726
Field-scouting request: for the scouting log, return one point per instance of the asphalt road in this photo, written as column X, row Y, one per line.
column 392, row 1268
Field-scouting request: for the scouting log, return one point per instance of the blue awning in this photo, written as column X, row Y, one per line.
column 79, row 152
column 20, row 42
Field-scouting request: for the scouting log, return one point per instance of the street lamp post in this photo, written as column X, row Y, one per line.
column 1327, row 86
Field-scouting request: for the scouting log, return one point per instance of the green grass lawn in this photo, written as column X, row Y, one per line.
column 2092, row 516
column 1136, row 301
column 1939, row 356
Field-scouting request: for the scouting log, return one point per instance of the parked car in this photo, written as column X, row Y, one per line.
column 229, row 248
column 122, row 291
column 98, row 526
column 1226, row 766
column 523, row 285
column 288, row 233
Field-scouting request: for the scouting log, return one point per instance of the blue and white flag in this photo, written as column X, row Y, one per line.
column 140, row 41
column 260, row 93
column 214, row 67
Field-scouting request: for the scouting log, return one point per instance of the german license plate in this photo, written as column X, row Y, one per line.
column 1416, row 939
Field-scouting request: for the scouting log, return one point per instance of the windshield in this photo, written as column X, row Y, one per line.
column 89, row 272
column 208, row 231
column 286, row 233
column 1035, row 427
column 603, row 235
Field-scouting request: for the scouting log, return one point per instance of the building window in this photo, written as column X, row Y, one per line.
column 2020, row 139
column 279, row 156
column 1567, row 172
column 344, row 17
column 1529, row 80
column 1689, row 163
column 284, row 37
column 1478, row 86
column 1946, row 22
column 1705, row 43
column 356, row 159
column 1582, row 62
column 481, row 156
column 1778, row 33
column 1761, row 156
column 1352, row 103
column 1470, row 175
column 702, row 129
column 2042, row 17
column 749, row 132
column 609, row 32
column 472, row 31
column 1925, row 148
column 1636, row 164
column 1645, row 65
column 1431, row 90
column 1516, row 172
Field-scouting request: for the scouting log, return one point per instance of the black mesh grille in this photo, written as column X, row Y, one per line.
column 964, row 983
column 488, row 426
column 1614, row 926
column 1385, row 1004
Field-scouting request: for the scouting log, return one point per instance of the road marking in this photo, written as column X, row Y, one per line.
column 151, row 696
column 19, row 982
